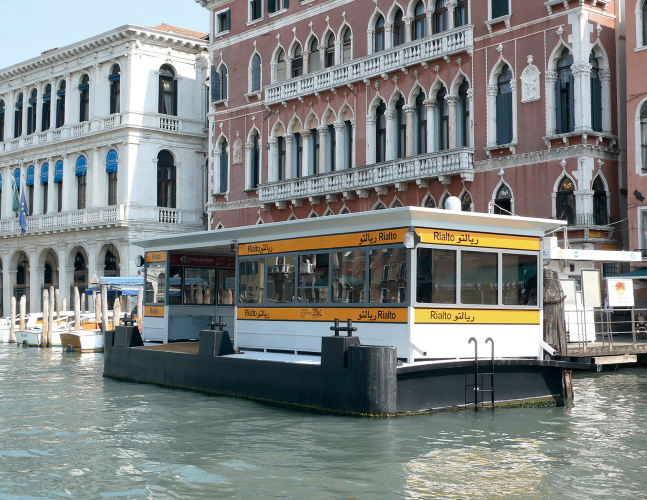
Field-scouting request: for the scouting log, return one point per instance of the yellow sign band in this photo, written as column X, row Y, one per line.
column 386, row 237
column 154, row 311
column 476, row 316
column 357, row 314
column 155, row 256
column 477, row 240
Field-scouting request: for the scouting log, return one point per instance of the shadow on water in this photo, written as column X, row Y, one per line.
column 66, row 432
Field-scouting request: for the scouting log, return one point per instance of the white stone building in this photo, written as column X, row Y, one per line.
column 107, row 136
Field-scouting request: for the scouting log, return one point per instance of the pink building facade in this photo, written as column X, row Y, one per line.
column 323, row 107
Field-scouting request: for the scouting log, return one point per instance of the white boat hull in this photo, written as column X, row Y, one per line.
column 5, row 335
column 84, row 341
column 33, row 337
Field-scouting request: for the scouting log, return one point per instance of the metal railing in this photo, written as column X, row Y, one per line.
column 374, row 65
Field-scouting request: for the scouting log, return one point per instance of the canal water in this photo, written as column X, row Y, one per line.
column 66, row 432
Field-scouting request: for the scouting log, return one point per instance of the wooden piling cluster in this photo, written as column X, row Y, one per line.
column 53, row 307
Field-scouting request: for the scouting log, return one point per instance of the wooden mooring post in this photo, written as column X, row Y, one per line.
column 77, row 309
column 45, row 323
column 23, row 311
column 50, row 319
column 12, row 328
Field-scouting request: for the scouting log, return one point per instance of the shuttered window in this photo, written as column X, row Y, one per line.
column 504, row 107
column 224, row 163
column 596, row 94
column 564, row 95
column 499, row 8
column 215, row 84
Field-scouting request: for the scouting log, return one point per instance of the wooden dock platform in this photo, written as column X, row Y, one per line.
column 622, row 351
column 183, row 347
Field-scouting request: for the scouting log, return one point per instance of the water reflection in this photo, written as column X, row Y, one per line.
column 66, row 432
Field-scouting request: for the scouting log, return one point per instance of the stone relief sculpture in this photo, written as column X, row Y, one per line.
column 238, row 150
column 530, row 82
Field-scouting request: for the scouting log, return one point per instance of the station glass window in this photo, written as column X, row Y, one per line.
column 349, row 277
column 175, row 285
column 199, row 286
column 385, row 279
column 280, row 279
column 519, row 284
column 155, row 283
column 436, row 280
column 314, row 278
column 251, row 285
column 226, row 286
column 479, row 278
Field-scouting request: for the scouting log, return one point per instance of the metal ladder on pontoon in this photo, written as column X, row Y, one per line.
column 480, row 388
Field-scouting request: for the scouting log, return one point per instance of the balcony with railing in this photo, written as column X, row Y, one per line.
column 169, row 215
column 419, row 51
column 359, row 181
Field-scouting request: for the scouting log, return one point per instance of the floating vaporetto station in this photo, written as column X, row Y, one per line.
column 423, row 287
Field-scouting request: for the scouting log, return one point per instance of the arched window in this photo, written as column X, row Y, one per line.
column 329, row 56
column 643, row 136
column 442, row 119
column 167, row 91
column 644, row 26
column 314, row 152
column 31, row 112
column 297, row 61
column 297, row 155
column 503, row 200
column 380, row 133
column 17, row 126
column 58, row 180
column 280, row 66
column 401, row 128
column 256, row 73
column 564, row 94
column 331, row 148
column 440, row 17
column 218, row 83
column 313, row 55
column 2, row 113
column 398, row 28
column 111, row 169
column 80, row 272
column 20, row 275
column 346, row 47
column 420, row 146
column 47, row 281
column 348, row 143
column 599, row 203
column 30, row 189
column 460, row 14
column 419, row 22
column 256, row 159
column 44, row 178
column 429, row 202
column 110, row 262
column 81, row 171
column 224, row 165
column 565, row 201
column 45, row 120
column 504, row 106
column 115, row 89
column 166, row 175
column 463, row 115
column 378, row 44
column 84, row 99
column 281, row 148
column 466, row 202
column 60, row 104
column 16, row 179
column 596, row 94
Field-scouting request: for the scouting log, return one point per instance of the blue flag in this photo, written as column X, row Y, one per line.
column 23, row 212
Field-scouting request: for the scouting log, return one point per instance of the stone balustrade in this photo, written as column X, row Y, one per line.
column 411, row 53
column 361, row 179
